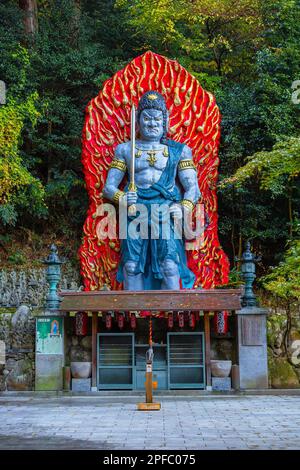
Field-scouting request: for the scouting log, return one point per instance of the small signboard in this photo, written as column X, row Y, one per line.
column 252, row 331
column 49, row 337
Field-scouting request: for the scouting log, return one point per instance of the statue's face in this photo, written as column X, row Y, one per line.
column 151, row 124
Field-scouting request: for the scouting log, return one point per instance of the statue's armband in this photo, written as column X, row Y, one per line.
column 186, row 165
column 116, row 172
column 187, row 174
column 119, row 164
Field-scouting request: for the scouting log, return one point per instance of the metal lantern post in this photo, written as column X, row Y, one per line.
column 149, row 405
column 53, row 274
column 248, row 262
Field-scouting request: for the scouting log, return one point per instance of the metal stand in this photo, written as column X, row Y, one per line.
column 149, row 405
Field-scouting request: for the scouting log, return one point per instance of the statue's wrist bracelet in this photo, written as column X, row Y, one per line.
column 188, row 204
column 118, row 194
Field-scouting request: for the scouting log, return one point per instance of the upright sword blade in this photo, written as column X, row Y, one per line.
column 132, row 186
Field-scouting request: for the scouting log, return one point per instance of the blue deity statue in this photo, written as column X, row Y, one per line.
column 164, row 174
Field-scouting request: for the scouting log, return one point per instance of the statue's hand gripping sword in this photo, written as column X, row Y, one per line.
column 132, row 186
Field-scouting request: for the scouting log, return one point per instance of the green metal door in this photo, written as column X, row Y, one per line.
column 186, row 362
column 115, row 361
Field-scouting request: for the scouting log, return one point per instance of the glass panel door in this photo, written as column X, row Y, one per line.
column 115, row 361
column 186, row 363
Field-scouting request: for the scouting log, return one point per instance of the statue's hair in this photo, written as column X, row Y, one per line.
column 148, row 101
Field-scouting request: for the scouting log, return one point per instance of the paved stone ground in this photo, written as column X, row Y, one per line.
column 223, row 422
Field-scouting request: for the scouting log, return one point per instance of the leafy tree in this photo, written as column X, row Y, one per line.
column 283, row 282
column 20, row 189
column 247, row 53
column 277, row 170
column 257, row 115
column 210, row 38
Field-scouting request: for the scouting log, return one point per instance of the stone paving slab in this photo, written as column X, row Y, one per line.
column 239, row 422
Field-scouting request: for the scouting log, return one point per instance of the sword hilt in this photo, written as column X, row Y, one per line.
column 132, row 207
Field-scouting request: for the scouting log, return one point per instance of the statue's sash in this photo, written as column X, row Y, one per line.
column 165, row 187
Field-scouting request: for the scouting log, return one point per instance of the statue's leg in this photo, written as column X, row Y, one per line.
column 132, row 281
column 170, row 274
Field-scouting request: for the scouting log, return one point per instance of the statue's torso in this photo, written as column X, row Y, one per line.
column 150, row 161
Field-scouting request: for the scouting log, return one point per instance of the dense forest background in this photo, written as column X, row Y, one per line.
column 55, row 56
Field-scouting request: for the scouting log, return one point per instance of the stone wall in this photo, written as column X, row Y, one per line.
column 18, row 333
column 30, row 287
column 23, row 292
column 284, row 371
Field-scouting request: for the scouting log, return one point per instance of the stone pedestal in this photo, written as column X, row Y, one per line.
column 48, row 372
column 81, row 385
column 49, row 356
column 252, row 348
column 221, row 384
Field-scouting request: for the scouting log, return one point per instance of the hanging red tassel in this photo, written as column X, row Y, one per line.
column 121, row 321
column 221, row 323
column 192, row 320
column 145, row 313
column 133, row 321
column 108, row 321
column 170, row 321
column 81, row 324
column 181, row 319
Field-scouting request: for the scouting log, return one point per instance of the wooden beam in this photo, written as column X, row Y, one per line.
column 94, row 349
column 192, row 300
column 207, row 348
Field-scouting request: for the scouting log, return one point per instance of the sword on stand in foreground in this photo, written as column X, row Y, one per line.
column 132, row 186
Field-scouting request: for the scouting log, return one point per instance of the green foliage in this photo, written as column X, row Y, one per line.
column 284, row 279
column 17, row 257
column 247, row 53
column 207, row 32
column 15, row 178
column 274, row 169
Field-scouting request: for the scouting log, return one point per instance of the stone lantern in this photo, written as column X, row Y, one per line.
column 252, row 334
column 50, row 331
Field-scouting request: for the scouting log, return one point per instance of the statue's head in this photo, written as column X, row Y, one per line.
column 152, row 116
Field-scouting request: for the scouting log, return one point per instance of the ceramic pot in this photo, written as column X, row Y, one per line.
column 81, row 370
column 220, row 368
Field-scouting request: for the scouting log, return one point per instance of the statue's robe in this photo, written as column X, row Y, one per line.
column 149, row 253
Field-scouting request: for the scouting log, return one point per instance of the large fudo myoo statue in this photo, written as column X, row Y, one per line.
column 170, row 102
column 164, row 173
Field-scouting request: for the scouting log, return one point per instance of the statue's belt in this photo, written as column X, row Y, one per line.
column 158, row 192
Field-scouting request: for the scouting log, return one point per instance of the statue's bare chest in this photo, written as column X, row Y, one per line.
column 150, row 159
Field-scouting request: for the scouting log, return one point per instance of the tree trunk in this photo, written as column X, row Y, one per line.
column 30, row 16
column 75, row 23
column 290, row 210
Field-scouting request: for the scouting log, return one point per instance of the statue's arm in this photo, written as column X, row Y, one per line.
column 115, row 175
column 188, row 178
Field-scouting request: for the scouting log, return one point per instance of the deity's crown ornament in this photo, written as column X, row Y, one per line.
column 152, row 96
